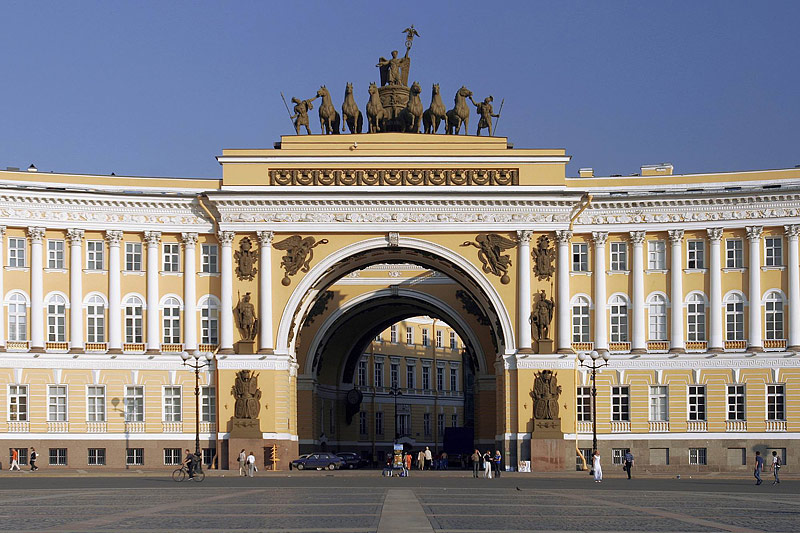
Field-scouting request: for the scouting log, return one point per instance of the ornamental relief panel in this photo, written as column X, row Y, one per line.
column 348, row 177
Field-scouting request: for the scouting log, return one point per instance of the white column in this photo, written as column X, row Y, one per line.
column 75, row 237
column 600, row 298
column 754, row 271
column 639, row 344
column 562, row 306
column 677, row 344
column 524, row 291
column 37, row 288
column 226, row 291
column 792, row 235
column 266, row 343
column 152, row 238
column 2, row 293
column 189, row 291
column 113, row 238
column 715, row 311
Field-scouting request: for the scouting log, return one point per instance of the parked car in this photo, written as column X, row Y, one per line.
column 319, row 461
column 353, row 460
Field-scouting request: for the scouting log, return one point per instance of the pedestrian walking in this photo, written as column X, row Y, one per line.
column 34, row 456
column 496, row 460
column 428, row 458
column 476, row 463
column 776, row 465
column 445, row 460
column 243, row 463
column 251, row 465
column 15, row 460
column 487, row 465
column 598, row 469
column 421, row 460
column 759, row 468
column 628, row 462
column 407, row 462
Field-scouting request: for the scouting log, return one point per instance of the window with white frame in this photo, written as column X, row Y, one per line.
column 18, row 403
column 656, row 255
column 734, row 317
column 171, row 255
column 619, row 319
column 377, row 368
column 208, row 404
column 773, row 314
column 697, row 456
column 734, row 253
column 580, row 257
column 580, row 320
column 379, row 422
column 393, row 333
column 134, row 403
column 16, row 251
column 403, row 424
column 439, row 378
column 453, row 378
column 409, row 335
column 362, row 373
column 773, row 251
column 619, row 256
column 171, row 313
column 56, row 318
column 697, row 402
column 172, row 456
column 57, row 457
column 453, row 341
column 362, row 423
column 411, row 371
column 95, row 403
column 95, row 319
column 658, row 403
column 440, row 424
column 657, row 317
column 55, row 254
column 394, row 375
column 695, row 254
column 776, row 401
column 736, row 405
column 17, row 317
column 425, row 341
column 172, row 404
column 134, row 456
column 133, row 320
column 133, row 256
column 56, row 403
column 97, row 457
column 94, row 255
column 620, row 403
column 426, row 377
column 696, row 318
column 427, row 429
column 209, row 321
column 583, row 407
column 209, row 258
column 439, row 339
column 618, row 456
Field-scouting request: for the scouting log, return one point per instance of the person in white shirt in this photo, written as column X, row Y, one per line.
column 242, row 463
column 251, row 465
column 428, row 457
column 598, row 470
column 776, row 465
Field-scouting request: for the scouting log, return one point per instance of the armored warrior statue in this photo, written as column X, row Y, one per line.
column 486, row 113
column 300, row 117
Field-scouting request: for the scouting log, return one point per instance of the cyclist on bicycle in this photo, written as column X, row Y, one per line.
column 189, row 463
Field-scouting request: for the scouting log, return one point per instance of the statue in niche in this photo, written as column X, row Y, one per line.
column 542, row 316
column 246, row 259
column 546, row 391
column 247, row 395
column 245, row 316
column 543, row 258
column 490, row 247
column 299, row 253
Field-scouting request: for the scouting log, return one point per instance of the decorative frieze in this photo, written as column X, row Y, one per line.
column 394, row 177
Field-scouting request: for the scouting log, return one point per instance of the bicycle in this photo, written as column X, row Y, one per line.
column 179, row 474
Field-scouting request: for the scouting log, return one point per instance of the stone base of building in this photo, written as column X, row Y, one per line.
column 286, row 452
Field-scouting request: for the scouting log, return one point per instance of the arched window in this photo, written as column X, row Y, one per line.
column 171, row 311
column 209, row 321
column 734, row 317
column 619, row 319
column 56, row 319
column 580, row 320
column 133, row 320
column 17, row 317
column 95, row 319
column 696, row 318
column 657, row 307
column 773, row 311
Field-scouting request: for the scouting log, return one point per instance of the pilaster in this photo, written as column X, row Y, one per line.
column 715, row 311
column 677, row 344
column 76, row 338
column 524, row 291
column 639, row 344
column 754, row 336
column 265, row 326
column 600, row 298
column 562, row 307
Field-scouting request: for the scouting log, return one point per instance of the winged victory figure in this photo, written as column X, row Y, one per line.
column 490, row 251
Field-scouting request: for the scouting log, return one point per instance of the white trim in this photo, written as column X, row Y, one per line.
column 736, row 292
column 624, row 296
column 202, row 301
column 770, row 291
column 124, row 299
column 92, row 294
column 170, row 295
column 483, row 160
column 46, row 299
column 695, row 436
column 88, row 437
column 17, row 291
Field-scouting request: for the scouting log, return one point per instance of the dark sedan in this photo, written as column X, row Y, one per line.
column 321, row 460
column 353, row 460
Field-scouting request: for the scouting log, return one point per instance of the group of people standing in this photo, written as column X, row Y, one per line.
column 490, row 464
column 15, row 459
column 247, row 464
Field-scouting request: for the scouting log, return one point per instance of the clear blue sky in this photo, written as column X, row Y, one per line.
column 161, row 87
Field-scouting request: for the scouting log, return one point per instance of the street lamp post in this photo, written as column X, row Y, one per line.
column 395, row 391
column 585, row 360
column 200, row 360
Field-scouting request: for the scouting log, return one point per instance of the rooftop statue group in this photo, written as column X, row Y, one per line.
column 394, row 106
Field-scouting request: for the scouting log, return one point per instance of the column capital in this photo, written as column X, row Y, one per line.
column 714, row 234
column 75, row 236
column 113, row 237
column 675, row 235
column 265, row 237
column 2, row 230
column 189, row 239
column 152, row 238
column 226, row 237
column 524, row 236
column 563, row 236
column 599, row 238
column 637, row 237
column 754, row 232
column 36, row 234
column 792, row 231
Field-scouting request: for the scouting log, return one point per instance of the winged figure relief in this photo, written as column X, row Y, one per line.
column 299, row 253
column 490, row 252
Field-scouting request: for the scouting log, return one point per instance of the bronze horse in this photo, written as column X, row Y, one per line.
column 376, row 115
column 351, row 114
column 460, row 113
column 436, row 113
column 411, row 115
column 328, row 116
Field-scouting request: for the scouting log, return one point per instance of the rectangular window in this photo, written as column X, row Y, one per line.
column 734, row 320
column 403, row 425
column 580, row 321
column 394, row 375
column 94, row 255
column 172, row 404
column 95, row 403
column 56, row 403
column 209, row 258
column 95, row 321
column 171, row 257
column 453, row 379
column 134, row 456
column 439, row 339
column 409, row 335
column 133, row 256
column 58, row 457
column 454, row 420
column 620, row 404
column 426, row 377
column 656, row 255
column 208, row 456
column 776, row 402
column 16, row 251
column 619, row 256
column 171, row 323
column 55, row 254
column 426, row 424
column 658, row 404
column 618, row 456
column 580, row 257
column 440, row 424
column 378, row 368
column 695, row 254
column 773, row 251
column 393, row 333
column 734, row 255
column 736, row 399
column 584, row 405
column 208, row 404
column 172, row 456
column 97, row 457
column 657, row 318
column 697, row 402
column 425, row 341
column 18, row 403
column 362, row 373
column 697, row 456
column 379, row 423
column 583, row 459
column 209, row 324
column 453, row 341
column 378, row 338
column 362, row 423
column 440, row 378
column 134, row 403
column 410, row 376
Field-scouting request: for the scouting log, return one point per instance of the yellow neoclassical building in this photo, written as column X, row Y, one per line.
column 300, row 256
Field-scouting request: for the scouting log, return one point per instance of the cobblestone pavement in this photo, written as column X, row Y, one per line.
column 334, row 503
